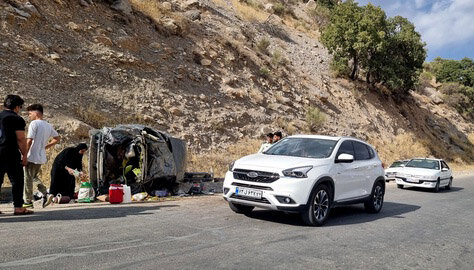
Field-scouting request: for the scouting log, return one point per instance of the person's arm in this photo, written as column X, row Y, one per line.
column 54, row 141
column 29, row 143
column 21, row 139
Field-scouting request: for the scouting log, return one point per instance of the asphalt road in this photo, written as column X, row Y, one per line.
column 416, row 229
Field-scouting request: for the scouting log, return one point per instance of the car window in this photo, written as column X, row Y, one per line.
column 361, row 151
column 444, row 165
column 346, row 148
column 397, row 164
column 303, row 147
column 371, row 151
column 423, row 163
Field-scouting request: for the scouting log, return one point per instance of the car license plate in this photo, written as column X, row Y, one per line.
column 413, row 180
column 248, row 192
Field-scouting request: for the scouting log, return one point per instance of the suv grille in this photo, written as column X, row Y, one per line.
column 255, row 176
column 262, row 200
column 251, row 186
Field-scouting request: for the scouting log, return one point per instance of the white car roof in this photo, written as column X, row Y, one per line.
column 333, row 138
column 436, row 159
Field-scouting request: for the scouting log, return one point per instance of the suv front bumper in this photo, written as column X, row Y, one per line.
column 273, row 195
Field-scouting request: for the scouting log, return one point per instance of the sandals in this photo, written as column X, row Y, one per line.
column 22, row 211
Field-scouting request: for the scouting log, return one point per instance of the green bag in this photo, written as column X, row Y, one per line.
column 86, row 193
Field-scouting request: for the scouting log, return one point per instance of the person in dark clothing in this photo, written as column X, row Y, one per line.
column 13, row 154
column 64, row 166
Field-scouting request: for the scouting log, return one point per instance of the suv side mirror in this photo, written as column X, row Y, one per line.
column 345, row 158
column 444, row 169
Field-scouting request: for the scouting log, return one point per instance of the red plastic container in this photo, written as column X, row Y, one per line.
column 115, row 193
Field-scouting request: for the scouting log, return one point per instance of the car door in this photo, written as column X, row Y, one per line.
column 345, row 176
column 364, row 169
column 445, row 175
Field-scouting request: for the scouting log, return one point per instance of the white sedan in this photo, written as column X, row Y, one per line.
column 425, row 173
column 392, row 171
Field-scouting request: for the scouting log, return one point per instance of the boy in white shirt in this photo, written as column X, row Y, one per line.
column 37, row 141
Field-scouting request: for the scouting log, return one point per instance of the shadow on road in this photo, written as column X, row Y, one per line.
column 84, row 213
column 441, row 190
column 344, row 215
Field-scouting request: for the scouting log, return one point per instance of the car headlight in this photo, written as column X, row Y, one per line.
column 231, row 165
column 299, row 172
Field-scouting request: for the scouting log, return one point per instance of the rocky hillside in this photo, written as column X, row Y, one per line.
column 212, row 72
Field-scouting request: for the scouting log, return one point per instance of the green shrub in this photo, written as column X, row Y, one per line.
column 279, row 9
column 340, row 67
column 314, row 118
column 263, row 44
column 265, row 72
column 278, row 59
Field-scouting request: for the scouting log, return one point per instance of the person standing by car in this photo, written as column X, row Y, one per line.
column 37, row 141
column 13, row 154
column 267, row 144
column 66, row 166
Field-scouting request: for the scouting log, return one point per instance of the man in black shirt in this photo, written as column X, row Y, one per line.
column 13, row 154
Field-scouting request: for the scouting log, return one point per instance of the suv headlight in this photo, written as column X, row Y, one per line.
column 299, row 172
column 231, row 165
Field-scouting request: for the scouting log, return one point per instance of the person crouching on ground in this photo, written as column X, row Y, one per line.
column 267, row 144
column 65, row 165
column 39, row 133
column 13, row 154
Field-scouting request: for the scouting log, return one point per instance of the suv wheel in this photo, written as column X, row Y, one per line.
column 240, row 209
column 375, row 202
column 319, row 207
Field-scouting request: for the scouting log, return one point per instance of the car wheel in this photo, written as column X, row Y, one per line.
column 436, row 189
column 448, row 187
column 375, row 202
column 319, row 206
column 241, row 209
column 399, row 186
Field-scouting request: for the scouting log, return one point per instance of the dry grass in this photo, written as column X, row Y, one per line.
column 249, row 13
column 256, row 96
column 149, row 7
column 404, row 146
column 218, row 161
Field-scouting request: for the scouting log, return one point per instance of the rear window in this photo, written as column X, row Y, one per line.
column 361, row 151
column 302, row 147
column 423, row 163
column 397, row 164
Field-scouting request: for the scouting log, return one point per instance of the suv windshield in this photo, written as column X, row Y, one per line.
column 302, row 147
column 423, row 163
column 397, row 164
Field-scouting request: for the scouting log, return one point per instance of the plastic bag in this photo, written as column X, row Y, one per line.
column 86, row 193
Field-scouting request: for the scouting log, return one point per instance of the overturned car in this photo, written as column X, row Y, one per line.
column 139, row 156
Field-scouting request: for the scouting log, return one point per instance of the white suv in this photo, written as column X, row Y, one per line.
column 308, row 174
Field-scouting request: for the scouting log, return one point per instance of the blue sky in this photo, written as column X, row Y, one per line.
column 447, row 26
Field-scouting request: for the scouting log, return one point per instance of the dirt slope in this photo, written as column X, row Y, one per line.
column 200, row 70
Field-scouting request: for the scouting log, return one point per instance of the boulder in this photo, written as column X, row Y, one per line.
column 166, row 6
column 193, row 15
column 77, row 129
column 190, row 4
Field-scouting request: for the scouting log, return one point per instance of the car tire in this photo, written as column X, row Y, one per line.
column 448, row 187
column 241, row 209
column 436, row 189
column 319, row 206
column 399, row 186
column 375, row 202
